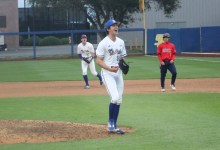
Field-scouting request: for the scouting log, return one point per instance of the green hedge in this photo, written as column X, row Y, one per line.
column 50, row 40
column 29, row 41
column 46, row 41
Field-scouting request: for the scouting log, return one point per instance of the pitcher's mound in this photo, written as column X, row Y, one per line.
column 30, row 131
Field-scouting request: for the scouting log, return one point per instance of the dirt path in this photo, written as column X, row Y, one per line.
column 29, row 131
column 62, row 88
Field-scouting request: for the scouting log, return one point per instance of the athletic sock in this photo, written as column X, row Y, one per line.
column 111, row 112
column 99, row 76
column 115, row 114
column 86, row 79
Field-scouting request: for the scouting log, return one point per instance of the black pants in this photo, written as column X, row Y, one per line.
column 163, row 71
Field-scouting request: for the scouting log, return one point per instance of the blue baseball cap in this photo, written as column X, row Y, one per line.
column 109, row 23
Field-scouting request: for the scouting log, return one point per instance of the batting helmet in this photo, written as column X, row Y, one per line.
column 109, row 23
column 166, row 35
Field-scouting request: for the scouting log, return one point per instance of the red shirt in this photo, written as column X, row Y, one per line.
column 166, row 51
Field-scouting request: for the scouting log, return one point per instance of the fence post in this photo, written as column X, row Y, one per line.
column 34, row 45
column 200, row 36
column 72, row 45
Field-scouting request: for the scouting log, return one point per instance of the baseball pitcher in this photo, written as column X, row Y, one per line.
column 109, row 52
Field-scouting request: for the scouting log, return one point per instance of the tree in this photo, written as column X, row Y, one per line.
column 99, row 11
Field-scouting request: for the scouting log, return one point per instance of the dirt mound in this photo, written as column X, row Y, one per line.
column 30, row 131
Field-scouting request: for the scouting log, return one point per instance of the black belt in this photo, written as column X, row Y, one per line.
column 166, row 60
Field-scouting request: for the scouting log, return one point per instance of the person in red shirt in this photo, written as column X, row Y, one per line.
column 166, row 53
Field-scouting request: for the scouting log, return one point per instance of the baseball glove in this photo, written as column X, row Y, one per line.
column 87, row 60
column 123, row 66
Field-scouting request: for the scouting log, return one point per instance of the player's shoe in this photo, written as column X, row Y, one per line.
column 173, row 87
column 111, row 127
column 101, row 82
column 162, row 90
column 87, row 87
column 119, row 131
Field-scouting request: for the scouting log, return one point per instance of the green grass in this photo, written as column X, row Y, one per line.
column 164, row 121
column 161, row 121
column 46, row 70
column 147, row 67
column 142, row 67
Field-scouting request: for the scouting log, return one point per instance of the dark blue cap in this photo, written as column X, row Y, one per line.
column 83, row 36
column 166, row 35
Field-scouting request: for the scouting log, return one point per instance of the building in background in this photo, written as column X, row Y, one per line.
column 30, row 19
column 193, row 13
column 9, row 22
column 51, row 19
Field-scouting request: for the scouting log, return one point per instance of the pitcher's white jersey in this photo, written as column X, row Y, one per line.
column 85, row 50
column 112, row 51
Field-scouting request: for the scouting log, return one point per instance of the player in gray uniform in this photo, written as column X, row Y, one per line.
column 86, row 53
column 109, row 51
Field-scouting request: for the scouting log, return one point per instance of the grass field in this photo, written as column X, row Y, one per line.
column 168, row 121
column 145, row 67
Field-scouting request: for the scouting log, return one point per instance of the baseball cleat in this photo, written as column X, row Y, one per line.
column 119, row 131
column 112, row 128
column 163, row 90
column 87, row 87
column 111, row 131
column 101, row 82
column 173, row 87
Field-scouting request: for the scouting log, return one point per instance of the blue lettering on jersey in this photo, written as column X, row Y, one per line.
column 112, row 51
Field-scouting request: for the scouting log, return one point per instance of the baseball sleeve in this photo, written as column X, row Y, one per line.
column 124, row 53
column 173, row 52
column 92, row 50
column 100, row 50
column 78, row 49
column 159, row 49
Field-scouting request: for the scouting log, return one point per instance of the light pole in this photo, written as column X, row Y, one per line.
column 142, row 9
